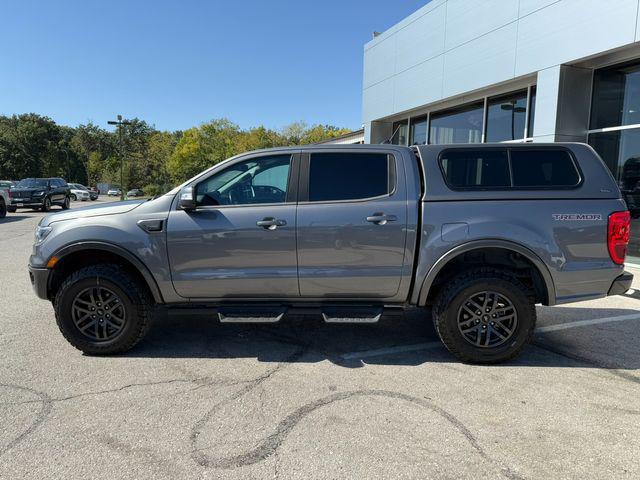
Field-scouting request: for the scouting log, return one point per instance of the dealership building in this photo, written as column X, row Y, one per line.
column 469, row 71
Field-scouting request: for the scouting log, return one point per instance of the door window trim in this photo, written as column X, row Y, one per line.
column 305, row 168
column 292, row 182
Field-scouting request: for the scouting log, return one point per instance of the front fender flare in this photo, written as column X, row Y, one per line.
column 117, row 250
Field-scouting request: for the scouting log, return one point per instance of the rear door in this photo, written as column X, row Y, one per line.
column 352, row 218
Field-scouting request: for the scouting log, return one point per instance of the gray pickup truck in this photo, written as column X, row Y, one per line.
column 478, row 233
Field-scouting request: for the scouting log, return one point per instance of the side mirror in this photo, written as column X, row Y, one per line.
column 187, row 200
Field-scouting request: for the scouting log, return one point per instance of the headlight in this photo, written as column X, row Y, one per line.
column 41, row 234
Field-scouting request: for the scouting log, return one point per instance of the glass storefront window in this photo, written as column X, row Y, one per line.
column 621, row 152
column 462, row 125
column 418, row 135
column 400, row 130
column 616, row 97
column 506, row 117
column 532, row 110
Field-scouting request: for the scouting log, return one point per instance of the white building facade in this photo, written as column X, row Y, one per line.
column 468, row 71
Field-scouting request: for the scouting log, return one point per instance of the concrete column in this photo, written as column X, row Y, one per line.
column 563, row 96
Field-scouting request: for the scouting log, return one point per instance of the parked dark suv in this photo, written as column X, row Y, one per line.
column 40, row 193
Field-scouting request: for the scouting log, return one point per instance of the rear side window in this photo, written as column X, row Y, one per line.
column 349, row 176
column 511, row 168
column 543, row 168
column 467, row 168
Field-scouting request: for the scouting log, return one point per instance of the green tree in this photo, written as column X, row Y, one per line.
column 202, row 147
column 28, row 145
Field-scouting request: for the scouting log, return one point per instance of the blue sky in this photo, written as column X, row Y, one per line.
column 179, row 63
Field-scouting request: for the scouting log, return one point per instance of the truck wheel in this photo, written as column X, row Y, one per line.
column 3, row 209
column 46, row 204
column 102, row 310
column 66, row 203
column 485, row 315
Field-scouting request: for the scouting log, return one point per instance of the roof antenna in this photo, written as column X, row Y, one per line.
column 390, row 139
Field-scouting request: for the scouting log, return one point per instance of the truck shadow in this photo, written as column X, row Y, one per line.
column 10, row 218
column 408, row 340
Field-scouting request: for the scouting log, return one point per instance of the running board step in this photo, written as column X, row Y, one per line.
column 251, row 314
column 352, row 315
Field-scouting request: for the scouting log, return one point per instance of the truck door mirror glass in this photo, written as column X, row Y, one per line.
column 187, row 201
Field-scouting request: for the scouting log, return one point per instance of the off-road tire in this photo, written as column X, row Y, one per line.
column 3, row 209
column 458, row 289
column 137, row 302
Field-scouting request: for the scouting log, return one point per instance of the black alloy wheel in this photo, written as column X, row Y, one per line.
column 98, row 313
column 487, row 319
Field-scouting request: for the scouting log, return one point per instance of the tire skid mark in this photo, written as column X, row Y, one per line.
column 41, row 416
column 271, row 443
column 198, row 455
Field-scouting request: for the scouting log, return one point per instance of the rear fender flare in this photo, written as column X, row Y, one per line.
column 489, row 243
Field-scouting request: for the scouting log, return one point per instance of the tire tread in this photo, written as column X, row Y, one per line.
column 464, row 280
column 138, row 295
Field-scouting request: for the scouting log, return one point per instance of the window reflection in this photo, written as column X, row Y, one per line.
column 506, row 117
column 418, row 135
column 400, row 130
column 616, row 97
column 457, row 126
column 621, row 152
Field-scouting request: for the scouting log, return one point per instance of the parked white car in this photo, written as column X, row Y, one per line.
column 79, row 192
column 114, row 192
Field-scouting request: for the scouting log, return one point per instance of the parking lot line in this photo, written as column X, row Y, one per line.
column 582, row 323
column 386, row 351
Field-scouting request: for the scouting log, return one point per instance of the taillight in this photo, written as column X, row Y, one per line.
column 618, row 236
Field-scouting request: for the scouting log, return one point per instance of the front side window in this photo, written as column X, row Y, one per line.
column 462, row 125
column 476, row 169
column 349, row 176
column 506, row 117
column 543, row 168
column 255, row 181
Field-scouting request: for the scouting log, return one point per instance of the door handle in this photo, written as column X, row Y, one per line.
column 380, row 218
column 271, row 223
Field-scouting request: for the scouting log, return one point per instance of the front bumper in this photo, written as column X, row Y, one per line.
column 621, row 284
column 31, row 202
column 40, row 281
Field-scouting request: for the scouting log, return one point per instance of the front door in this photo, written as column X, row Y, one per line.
column 352, row 219
column 240, row 240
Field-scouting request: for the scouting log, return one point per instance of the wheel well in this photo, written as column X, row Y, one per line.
column 83, row 258
column 496, row 257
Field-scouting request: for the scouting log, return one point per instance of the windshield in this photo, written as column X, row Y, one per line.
column 32, row 183
column 78, row 186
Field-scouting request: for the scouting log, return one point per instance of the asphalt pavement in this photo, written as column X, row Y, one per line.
column 304, row 399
